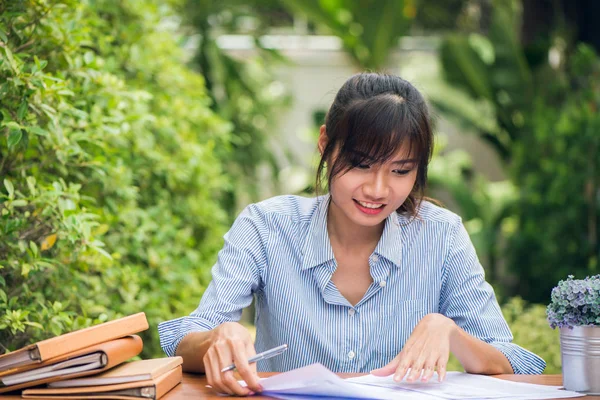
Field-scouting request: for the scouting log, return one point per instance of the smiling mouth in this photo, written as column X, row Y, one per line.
column 372, row 206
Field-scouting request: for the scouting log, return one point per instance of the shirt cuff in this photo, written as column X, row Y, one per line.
column 172, row 332
column 523, row 362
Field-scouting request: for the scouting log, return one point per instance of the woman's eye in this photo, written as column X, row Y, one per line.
column 363, row 166
column 402, row 171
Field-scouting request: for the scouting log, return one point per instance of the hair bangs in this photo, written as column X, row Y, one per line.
column 375, row 130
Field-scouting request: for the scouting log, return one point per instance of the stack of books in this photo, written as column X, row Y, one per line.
column 90, row 363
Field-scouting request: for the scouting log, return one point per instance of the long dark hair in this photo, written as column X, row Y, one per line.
column 371, row 118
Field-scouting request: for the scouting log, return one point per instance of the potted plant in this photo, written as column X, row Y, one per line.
column 575, row 309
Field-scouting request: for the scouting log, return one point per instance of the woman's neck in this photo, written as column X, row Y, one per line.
column 350, row 235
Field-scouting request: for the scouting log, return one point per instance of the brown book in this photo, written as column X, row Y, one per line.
column 108, row 355
column 141, row 370
column 69, row 342
column 150, row 389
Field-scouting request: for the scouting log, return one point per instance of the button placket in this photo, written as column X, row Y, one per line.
column 354, row 335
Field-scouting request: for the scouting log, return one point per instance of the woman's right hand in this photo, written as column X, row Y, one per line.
column 231, row 344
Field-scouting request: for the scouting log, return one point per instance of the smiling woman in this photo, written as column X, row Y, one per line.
column 369, row 277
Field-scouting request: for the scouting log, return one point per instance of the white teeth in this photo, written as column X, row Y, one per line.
column 369, row 205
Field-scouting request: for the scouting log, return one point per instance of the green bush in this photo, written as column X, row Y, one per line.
column 530, row 331
column 556, row 169
column 111, row 168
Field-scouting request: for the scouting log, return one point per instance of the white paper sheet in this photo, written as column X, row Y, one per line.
column 317, row 382
column 460, row 385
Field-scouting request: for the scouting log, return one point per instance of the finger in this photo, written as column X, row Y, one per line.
column 387, row 369
column 250, row 352
column 213, row 372
column 232, row 384
column 416, row 370
column 207, row 371
column 441, row 372
column 427, row 372
column 227, row 378
column 404, row 365
column 247, row 372
column 441, row 365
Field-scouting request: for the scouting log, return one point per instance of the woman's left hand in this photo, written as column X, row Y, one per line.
column 426, row 350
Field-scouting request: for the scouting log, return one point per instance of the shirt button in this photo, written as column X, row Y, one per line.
column 382, row 284
column 351, row 312
column 374, row 258
column 351, row 354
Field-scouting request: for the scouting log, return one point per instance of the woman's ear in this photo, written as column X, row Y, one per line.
column 322, row 143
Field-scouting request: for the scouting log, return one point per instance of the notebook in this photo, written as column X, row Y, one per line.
column 88, row 361
column 134, row 371
column 152, row 389
column 69, row 342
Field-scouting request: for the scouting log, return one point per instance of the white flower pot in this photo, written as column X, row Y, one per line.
column 580, row 355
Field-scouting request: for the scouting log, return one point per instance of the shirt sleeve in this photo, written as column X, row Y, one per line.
column 470, row 301
column 235, row 278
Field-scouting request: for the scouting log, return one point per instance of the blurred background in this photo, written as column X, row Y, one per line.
column 132, row 132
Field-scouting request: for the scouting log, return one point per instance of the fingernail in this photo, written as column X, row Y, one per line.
column 397, row 378
column 251, row 393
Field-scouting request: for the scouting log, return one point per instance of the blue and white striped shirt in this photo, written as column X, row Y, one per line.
column 278, row 251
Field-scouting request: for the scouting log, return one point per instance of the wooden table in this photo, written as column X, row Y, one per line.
column 194, row 386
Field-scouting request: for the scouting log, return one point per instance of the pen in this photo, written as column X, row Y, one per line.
column 261, row 356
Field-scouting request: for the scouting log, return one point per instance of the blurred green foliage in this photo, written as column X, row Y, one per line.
column 556, row 168
column 545, row 128
column 244, row 90
column 112, row 168
column 369, row 29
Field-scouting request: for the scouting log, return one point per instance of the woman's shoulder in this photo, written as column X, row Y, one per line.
column 431, row 212
column 298, row 208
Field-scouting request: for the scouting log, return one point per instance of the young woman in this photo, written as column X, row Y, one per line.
column 371, row 277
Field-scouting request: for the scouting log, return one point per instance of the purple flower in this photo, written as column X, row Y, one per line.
column 575, row 302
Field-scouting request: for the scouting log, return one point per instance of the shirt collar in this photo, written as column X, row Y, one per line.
column 317, row 247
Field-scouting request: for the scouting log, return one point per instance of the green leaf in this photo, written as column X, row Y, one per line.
column 101, row 251
column 34, row 324
column 33, row 248
column 36, row 130
column 25, row 269
column 31, row 185
column 9, row 188
column 40, row 64
column 88, row 57
column 13, row 125
column 3, row 36
column 22, row 110
column 19, row 203
column 3, row 296
column 11, row 59
column 14, row 137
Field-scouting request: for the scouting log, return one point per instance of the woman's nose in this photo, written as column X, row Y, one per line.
column 376, row 187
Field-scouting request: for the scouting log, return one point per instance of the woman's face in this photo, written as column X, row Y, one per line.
column 367, row 194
